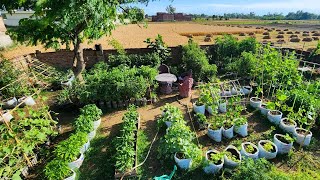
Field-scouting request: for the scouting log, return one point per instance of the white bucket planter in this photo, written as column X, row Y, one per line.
column 236, row 91
column 263, row 109
column 228, row 162
column 213, row 168
column 26, row 101
column 77, row 163
column 183, row 163
column 283, row 147
column 242, row 130
column 288, row 126
column 73, row 177
column 228, row 133
column 266, row 154
column 274, row 116
column 91, row 135
column 246, row 90
column 301, row 137
column 85, row 147
column 244, row 153
column 6, row 116
column 199, row 109
column 255, row 102
column 96, row 124
column 215, row 135
column 223, row 107
column 10, row 103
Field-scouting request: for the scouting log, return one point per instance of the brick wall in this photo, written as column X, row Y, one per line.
column 64, row 58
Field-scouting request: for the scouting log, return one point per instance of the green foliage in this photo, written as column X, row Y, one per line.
column 91, row 111
column 240, row 121
column 249, row 149
column 268, row 146
column 215, row 158
column 83, row 124
column 216, row 122
column 170, row 114
column 201, row 118
column 232, row 157
column 195, row 59
column 57, row 169
column 135, row 60
column 125, row 143
column 159, row 47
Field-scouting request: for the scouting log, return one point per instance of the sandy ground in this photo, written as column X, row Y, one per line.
column 4, row 39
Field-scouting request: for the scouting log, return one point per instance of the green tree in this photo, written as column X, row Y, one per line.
column 170, row 9
column 71, row 22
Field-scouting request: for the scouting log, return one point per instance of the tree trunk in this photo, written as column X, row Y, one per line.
column 78, row 61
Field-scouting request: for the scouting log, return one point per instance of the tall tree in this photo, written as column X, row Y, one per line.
column 170, row 9
column 71, row 22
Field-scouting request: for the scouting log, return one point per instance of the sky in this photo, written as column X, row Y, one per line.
column 219, row 7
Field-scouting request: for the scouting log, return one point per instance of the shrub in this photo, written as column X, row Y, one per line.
column 131, row 60
column 195, row 58
column 57, row 169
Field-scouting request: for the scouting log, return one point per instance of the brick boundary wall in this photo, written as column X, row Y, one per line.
column 64, row 58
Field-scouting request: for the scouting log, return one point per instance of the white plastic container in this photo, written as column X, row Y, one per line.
column 6, row 116
column 228, row 133
column 266, row 154
column 263, row 109
column 10, row 103
column 246, row 90
column 73, row 177
column 275, row 119
column 199, row 109
column 85, row 147
column 183, row 163
column 283, row 148
column 244, row 153
column 223, row 107
column 96, row 124
column 255, row 102
column 215, row 135
column 302, row 139
column 288, row 128
column 230, row 163
column 213, row 168
column 242, row 130
column 77, row 163
column 91, row 135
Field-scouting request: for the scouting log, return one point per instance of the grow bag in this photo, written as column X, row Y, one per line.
column 6, row 116
column 10, row 103
column 215, row 135
column 77, row 163
column 85, row 147
column 264, row 153
column 26, row 101
column 168, row 123
column 246, row 90
column 242, row 130
column 274, row 118
column 288, row 128
column 91, row 135
column 249, row 155
column 96, row 124
column 283, row 147
column 213, row 168
column 228, row 162
column 183, row 163
column 263, row 109
column 302, row 139
column 228, row 133
column 210, row 110
column 255, row 102
column 223, row 107
column 73, row 177
column 199, row 109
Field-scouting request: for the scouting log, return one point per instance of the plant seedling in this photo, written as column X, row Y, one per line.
column 250, row 149
column 268, row 147
column 216, row 158
column 232, row 157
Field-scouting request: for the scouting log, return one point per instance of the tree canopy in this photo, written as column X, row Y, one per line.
column 170, row 9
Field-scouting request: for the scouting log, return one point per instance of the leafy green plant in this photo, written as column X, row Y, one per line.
column 91, row 111
column 215, row 158
column 288, row 138
column 83, row 124
column 158, row 46
column 268, row 146
column 57, row 169
column 201, row 118
column 240, row 121
column 216, row 122
column 170, row 114
column 249, row 148
column 232, row 157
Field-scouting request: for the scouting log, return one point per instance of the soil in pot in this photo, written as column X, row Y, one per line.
column 210, row 159
column 233, row 153
column 247, row 146
column 256, row 100
column 181, row 155
column 275, row 113
column 288, row 122
column 302, row 132
column 272, row 150
column 282, row 139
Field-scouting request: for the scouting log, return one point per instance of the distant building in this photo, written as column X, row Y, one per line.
column 161, row 17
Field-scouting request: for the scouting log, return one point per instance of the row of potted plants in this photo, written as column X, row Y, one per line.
column 69, row 154
column 126, row 143
column 302, row 136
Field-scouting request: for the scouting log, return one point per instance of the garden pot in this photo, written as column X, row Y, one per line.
column 182, row 163
column 114, row 104
column 96, row 124
column 246, row 90
column 85, row 147
column 254, row 155
column 283, row 146
column 263, row 153
column 242, row 130
column 6, row 116
column 10, row 103
column 210, row 110
column 213, row 168
column 263, row 109
column 228, row 133
column 288, row 126
column 27, row 101
column 199, row 109
column 236, row 91
column 303, row 137
column 255, row 102
column 274, row 116
column 72, row 177
column 215, row 135
column 228, row 162
column 226, row 93
column 223, row 107
column 77, row 163
column 91, row 135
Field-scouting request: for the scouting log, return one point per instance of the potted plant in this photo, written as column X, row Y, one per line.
column 236, row 90
column 170, row 114
column 249, row 150
column 199, row 106
column 215, row 161
column 85, row 124
column 183, row 160
column 274, row 116
column 246, row 90
column 263, row 109
column 255, row 102
column 10, row 103
column 227, row 129
column 283, row 142
column 223, row 105
column 202, row 121
column 267, row 149
column 57, row 169
column 303, row 136
column 232, row 157
column 241, row 126
column 215, row 128
column 92, row 112
column 288, row 125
